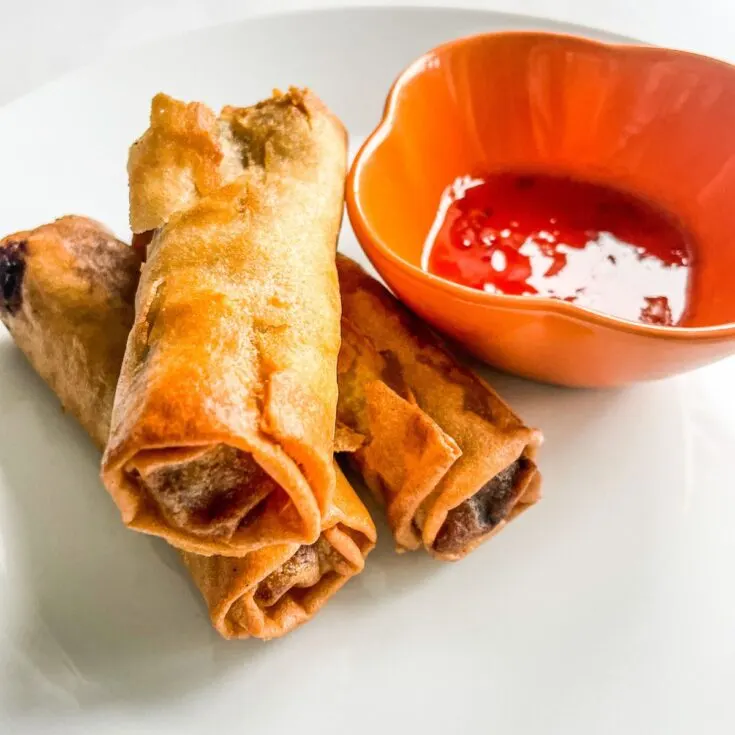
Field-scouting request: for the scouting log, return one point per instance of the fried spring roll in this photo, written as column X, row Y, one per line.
column 223, row 424
column 411, row 414
column 448, row 458
column 272, row 590
column 67, row 299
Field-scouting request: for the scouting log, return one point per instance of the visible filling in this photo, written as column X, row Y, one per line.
column 479, row 514
column 12, row 270
column 304, row 569
column 140, row 243
column 212, row 492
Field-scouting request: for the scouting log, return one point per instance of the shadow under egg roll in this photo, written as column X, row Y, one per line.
column 222, row 430
column 448, row 458
column 67, row 299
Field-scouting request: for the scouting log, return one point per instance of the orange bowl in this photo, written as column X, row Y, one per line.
column 655, row 122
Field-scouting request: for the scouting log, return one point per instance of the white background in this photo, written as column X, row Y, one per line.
column 41, row 39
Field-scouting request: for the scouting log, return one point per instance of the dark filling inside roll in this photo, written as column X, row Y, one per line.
column 12, row 270
column 304, row 569
column 301, row 570
column 479, row 514
column 213, row 492
column 141, row 241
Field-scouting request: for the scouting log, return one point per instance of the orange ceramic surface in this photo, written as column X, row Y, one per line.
column 655, row 122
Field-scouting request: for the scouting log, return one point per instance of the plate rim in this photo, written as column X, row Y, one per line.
column 550, row 25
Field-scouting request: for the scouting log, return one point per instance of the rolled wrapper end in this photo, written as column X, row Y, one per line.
column 174, row 163
column 188, row 152
column 65, row 284
column 273, row 590
column 269, row 513
column 452, row 529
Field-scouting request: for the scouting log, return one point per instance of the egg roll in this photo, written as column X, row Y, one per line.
column 222, row 431
column 408, row 413
column 272, row 590
column 68, row 291
column 447, row 457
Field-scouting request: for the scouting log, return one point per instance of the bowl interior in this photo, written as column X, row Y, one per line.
column 658, row 123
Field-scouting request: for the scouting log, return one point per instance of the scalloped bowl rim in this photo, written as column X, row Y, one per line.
column 364, row 230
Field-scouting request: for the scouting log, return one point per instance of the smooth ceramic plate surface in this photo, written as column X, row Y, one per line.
column 607, row 608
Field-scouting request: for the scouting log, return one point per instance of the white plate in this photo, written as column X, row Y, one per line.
column 606, row 609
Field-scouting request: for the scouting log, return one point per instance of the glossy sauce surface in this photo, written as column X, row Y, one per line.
column 562, row 238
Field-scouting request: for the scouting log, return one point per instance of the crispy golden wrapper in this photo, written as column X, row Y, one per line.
column 67, row 299
column 272, row 590
column 448, row 458
column 222, row 432
column 451, row 462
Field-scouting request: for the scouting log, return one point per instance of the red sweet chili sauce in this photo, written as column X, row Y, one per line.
column 558, row 237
